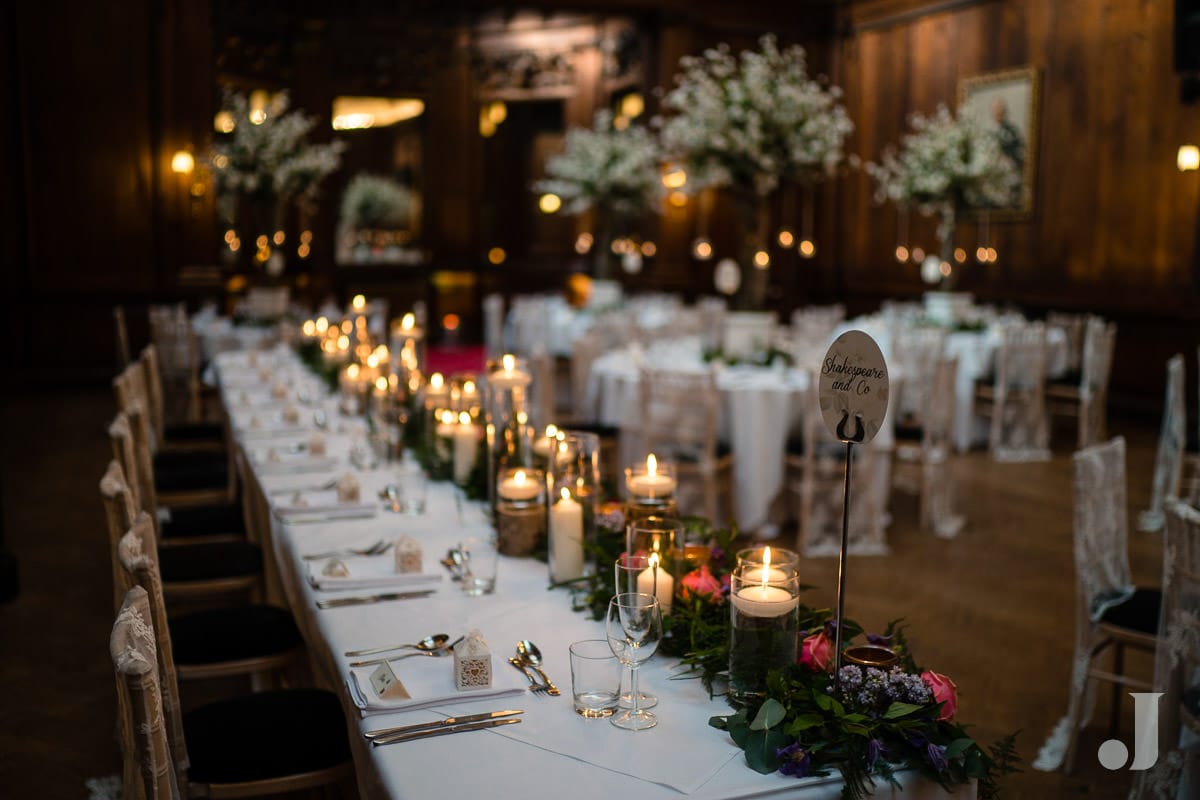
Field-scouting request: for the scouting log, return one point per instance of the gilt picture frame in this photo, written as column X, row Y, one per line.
column 1007, row 101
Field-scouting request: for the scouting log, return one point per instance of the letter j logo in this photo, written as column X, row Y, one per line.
column 1113, row 753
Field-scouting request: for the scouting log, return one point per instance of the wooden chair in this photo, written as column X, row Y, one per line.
column 1111, row 613
column 250, row 746
column 924, row 465
column 1016, row 398
column 1189, row 489
column 1172, row 438
column 191, row 572
column 1074, row 327
column 179, row 353
column 1086, row 400
column 1177, row 659
column 190, row 435
column 121, row 332
column 679, row 413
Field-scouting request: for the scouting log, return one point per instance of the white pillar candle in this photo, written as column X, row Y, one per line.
column 466, row 442
column 518, row 487
column 764, row 601
column 658, row 582
column 566, row 538
column 509, row 376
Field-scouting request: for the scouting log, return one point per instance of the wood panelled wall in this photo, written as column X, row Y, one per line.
column 1114, row 225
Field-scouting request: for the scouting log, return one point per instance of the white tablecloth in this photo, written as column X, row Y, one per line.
column 553, row 753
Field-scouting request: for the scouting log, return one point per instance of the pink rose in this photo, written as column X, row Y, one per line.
column 944, row 692
column 816, row 652
column 700, row 582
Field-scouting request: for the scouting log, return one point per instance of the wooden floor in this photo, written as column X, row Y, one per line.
column 993, row 608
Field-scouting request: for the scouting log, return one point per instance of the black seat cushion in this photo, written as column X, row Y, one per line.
column 208, row 520
column 1071, row 378
column 199, row 562
column 194, row 432
column 265, row 735
column 179, row 471
column 1138, row 613
column 909, row 430
column 233, row 634
column 1191, row 700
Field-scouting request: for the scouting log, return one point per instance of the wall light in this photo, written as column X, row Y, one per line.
column 183, row 162
column 549, row 203
column 1188, row 158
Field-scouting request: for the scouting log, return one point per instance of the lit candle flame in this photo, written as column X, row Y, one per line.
column 566, row 495
column 352, row 372
column 522, row 417
column 509, row 361
column 322, row 324
column 436, row 380
column 447, row 416
column 654, row 560
column 651, row 465
column 468, row 387
column 408, row 321
column 766, row 566
column 359, row 302
column 372, row 361
column 310, row 328
column 551, row 431
column 464, row 418
column 519, row 477
column 381, row 383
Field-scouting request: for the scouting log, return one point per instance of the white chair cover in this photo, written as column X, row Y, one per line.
column 1020, row 428
column 1099, row 340
column 1168, row 464
column 493, row 326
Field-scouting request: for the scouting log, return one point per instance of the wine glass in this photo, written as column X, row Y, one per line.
column 634, row 628
column 635, row 573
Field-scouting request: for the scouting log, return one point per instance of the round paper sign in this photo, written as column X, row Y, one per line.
column 853, row 390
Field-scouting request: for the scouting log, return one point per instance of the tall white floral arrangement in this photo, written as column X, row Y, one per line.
column 375, row 201
column 271, row 163
column 753, row 120
column 946, row 164
column 614, row 171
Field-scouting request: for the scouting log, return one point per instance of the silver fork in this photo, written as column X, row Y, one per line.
column 534, row 686
column 379, row 548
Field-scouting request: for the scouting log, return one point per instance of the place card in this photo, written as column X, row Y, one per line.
column 854, row 388
column 386, row 685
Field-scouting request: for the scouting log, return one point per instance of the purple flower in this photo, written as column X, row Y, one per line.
column 936, row 754
column 796, row 760
column 882, row 641
column 875, row 749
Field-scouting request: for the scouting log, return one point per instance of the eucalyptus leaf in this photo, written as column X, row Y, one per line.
column 898, row 709
column 770, row 714
column 958, row 747
column 805, row 722
column 760, row 750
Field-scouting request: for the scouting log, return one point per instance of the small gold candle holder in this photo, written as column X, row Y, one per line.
column 870, row 655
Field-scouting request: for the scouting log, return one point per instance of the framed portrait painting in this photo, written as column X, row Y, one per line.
column 1007, row 101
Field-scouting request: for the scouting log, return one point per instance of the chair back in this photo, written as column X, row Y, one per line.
column 937, row 428
column 1074, row 327
column 152, row 380
column 121, row 331
column 1020, row 426
column 679, row 415
column 138, row 554
column 1099, row 340
column 128, row 434
column 584, row 352
column 493, row 326
column 1172, row 437
column 917, row 351
column 119, row 513
column 178, row 352
column 1101, row 530
column 143, row 728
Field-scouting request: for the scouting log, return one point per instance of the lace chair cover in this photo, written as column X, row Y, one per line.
column 1020, row 427
column 178, row 347
column 1168, row 464
column 120, row 436
column 1177, row 662
column 1073, row 326
column 817, row 323
column 1190, row 480
column 119, row 513
column 821, row 489
column 917, row 352
column 679, row 416
column 1102, row 578
column 493, row 326
column 1098, row 343
column 137, row 552
column 143, row 730
column 938, row 512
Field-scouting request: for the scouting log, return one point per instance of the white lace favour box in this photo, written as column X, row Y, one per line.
column 348, row 490
column 316, row 445
column 408, row 555
column 472, row 663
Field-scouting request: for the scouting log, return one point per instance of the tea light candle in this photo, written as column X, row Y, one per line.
column 657, row 582
column 518, row 487
column 651, row 483
column 358, row 303
column 509, row 376
column 466, row 442
column 761, row 599
column 543, row 445
column 566, row 538
column 409, row 328
column 446, row 426
column 437, row 389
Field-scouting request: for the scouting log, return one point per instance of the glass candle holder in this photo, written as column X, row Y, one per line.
column 543, row 445
column 765, row 623
column 520, row 511
column 508, row 445
column 653, row 541
column 772, row 558
column 650, row 489
column 575, row 465
column 406, row 345
column 566, row 535
column 434, row 396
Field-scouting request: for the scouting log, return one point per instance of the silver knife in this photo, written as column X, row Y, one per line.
column 338, row 602
column 327, row 516
column 472, row 726
column 442, row 723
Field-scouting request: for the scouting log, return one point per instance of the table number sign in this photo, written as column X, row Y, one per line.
column 853, row 393
column 387, row 685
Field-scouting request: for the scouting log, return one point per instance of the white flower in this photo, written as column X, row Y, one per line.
column 616, row 170
column 371, row 201
column 753, row 120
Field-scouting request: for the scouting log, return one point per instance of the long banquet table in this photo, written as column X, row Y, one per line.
column 553, row 752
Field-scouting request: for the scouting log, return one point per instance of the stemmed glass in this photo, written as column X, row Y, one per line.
column 635, row 573
column 634, row 628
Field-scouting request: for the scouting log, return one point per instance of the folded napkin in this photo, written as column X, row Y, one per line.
column 294, row 465
column 319, row 502
column 370, row 572
column 430, row 683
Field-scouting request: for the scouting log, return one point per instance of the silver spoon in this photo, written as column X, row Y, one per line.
column 529, row 653
column 320, row 419
column 392, row 493
column 432, row 642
